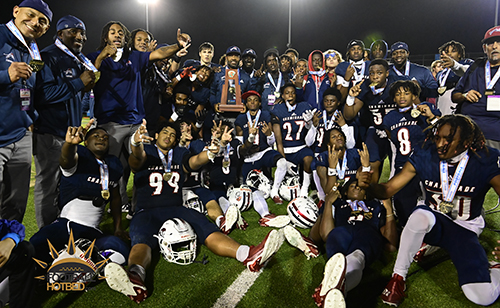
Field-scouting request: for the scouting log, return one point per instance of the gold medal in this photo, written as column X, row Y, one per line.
column 97, row 76
column 441, row 90
column 373, row 84
column 226, row 163
column 445, row 207
column 415, row 112
column 489, row 92
column 167, row 176
column 368, row 215
column 277, row 94
column 105, row 194
column 36, row 65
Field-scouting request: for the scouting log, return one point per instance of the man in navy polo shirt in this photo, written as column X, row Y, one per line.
column 61, row 84
column 17, row 82
column 478, row 89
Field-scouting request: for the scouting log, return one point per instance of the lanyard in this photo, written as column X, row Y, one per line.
column 341, row 169
column 407, row 69
column 103, row 170
column 290, row 107
column 449, row 191
column 81, row 58
column 33, row 48
column 360, row 75
column 490, row 83
column 329, row 124
column 166, row 165
column 443, row 77
column 257, row 117
column 276, row 86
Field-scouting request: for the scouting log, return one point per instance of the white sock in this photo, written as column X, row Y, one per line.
column 218, row 219
column 355, row 264
column 279, row 174
column 224, row 204
column 304, row 191
column 242, row 253
column 317, row 181
column 259, row 203
column 419, row 224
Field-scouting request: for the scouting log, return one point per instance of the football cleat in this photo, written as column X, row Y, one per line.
column 334, row 278
column 127, row 283
column 275, row 221
column 394, row 292
column 277, row 200
column 494, row 265
column 259, row 254
column 334, row 299
column 229, row 220
column 425, row 251
column 303, row 243
column 241, row 223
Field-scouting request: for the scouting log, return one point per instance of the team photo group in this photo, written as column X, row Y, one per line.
column 177, row 149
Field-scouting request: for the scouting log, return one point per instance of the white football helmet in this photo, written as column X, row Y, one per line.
column 192, row 201
column 258, row 180
column 302, row 212
column 240, row 197
column 290, row 188
column 177, row 241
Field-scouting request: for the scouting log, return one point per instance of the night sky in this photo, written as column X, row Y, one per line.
column 261, row 24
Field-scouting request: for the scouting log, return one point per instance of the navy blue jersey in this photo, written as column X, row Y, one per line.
column 320, row 133
column 341, row 69
column 194, row 178
column 292, row 123
column 488, row 121
column 346, row 214
column 221, row 176
column 468, row 201
column 406, row 133
column 260, row 142
column 86, row 180
column 424, row 77
column 246, row 84
column 378, row 105
column 353, row 162
column 152, row 191
column 269, row 90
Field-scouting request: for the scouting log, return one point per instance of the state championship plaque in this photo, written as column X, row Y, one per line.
column 231, row 93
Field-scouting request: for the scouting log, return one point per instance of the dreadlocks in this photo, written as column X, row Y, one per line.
column 470, row 134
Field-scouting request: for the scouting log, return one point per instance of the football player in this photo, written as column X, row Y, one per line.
column 254, row 128
column 451, row 219
column 353, row 71
column 160, row 170
column 404, row 127
column 295, row 120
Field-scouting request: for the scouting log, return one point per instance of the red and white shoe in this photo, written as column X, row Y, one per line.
column 127, row 283
column 277, row 200
column 334, row 278
column 273, row 220
column 334, row 299
column 230, row 218
column 425, row 251
column 264, row 251
column 241, row 223
column 303, row 243
column 394, row 292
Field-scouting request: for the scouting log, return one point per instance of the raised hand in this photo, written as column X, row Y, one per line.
column 356, row 89
column 266, row 129
column 226, row 136
column 364, row 156
column 333, row 156
column 339, row 119
column 140, row 134
column 75, row 135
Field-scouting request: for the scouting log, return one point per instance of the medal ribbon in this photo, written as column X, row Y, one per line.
column 377, row 91
column 226, row 152
column 443, row 77
column 487, row 76
column 290, row 107
column 81, row 58
column 103, row 170
column 449, row 191
column 358, row 76
column 166, row 165
column 341, row 169
column 407, row 69
column 257, row 117
column 329, row 124
column 33, row 48
column 405, row 109
column 276, row 87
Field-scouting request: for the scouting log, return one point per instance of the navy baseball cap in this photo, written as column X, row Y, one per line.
column 233, row 50
column 249, row 52
column 399, row 45
column 69, row 22
column 38, row 5
column 353, row 43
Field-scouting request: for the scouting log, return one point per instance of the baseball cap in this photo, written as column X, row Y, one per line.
column 491, row 33
column 69, row 22
column 38, row 5
column 233, row 50
column 399, row 45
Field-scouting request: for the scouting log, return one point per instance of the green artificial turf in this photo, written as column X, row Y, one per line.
column 287, row 281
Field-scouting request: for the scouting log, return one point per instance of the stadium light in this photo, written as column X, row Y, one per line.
column 147, row 3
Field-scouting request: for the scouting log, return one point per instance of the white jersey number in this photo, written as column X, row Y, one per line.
column 156, row 181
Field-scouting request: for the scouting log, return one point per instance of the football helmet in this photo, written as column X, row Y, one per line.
column 177, row 241
column 258, row 180
column 240, row 197
column 303, row 212
column 192, row 201
column 290, row 188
